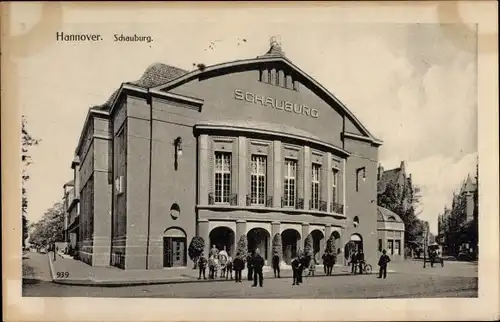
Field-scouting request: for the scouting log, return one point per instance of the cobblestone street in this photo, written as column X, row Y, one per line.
column 455, row 279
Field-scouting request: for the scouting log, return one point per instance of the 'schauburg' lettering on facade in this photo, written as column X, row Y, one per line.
column 275, row 103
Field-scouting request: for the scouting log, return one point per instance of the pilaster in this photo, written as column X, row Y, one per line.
column 307, row 177
column 329, row 179
column 278, row 177
column 203, row 170
column 242, row 170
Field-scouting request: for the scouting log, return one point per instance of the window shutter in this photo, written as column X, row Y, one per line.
column 210, row 155
column 234, row 167
column 300, row 174
column 340, row 190
column 249, row 169
column 270, row 171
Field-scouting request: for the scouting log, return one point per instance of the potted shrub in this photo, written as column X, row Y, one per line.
column 308, row 250
column 277, row 247
column 242, row 248
column 195, row 249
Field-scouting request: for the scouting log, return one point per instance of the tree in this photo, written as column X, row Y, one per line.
column 50, row 228
column 195, row 249
column 403, row 201
column 242, row 248
column 27, row 141
column 277, row 246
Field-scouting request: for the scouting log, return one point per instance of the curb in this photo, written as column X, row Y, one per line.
column 94, row 283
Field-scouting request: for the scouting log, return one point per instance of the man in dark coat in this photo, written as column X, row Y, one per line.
column 276, row 266
column 238, row 266
column 202, row 265
column 361, row 261
column 296, row 270
column 354, row 262
column 250, row 266
column 325, row 263
column 258, row 265
column 382, row 263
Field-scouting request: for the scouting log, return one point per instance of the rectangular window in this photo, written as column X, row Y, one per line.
column 334, row 186
column 380, row 245
column 258, row 180
column 390, row 246
column 290, row 185
column 222, row 177
column 315, row 184
column 397, row 247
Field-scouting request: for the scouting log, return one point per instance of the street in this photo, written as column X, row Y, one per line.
column 411, row 280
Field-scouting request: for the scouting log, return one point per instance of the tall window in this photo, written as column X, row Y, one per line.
column 397, row 247
column 258, row 180
column 222, row 177
column 390, row 245
column 290, row 172
column 334, row 186
column 316, row 171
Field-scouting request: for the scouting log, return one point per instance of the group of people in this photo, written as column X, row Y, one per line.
column 221, row 261
column 357, row 261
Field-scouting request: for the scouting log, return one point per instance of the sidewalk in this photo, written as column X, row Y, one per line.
column 66, row 270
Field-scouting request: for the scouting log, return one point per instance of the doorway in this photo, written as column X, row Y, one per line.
column 290, row 238
column 174, row 248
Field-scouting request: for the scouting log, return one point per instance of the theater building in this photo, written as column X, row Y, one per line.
column 252, row 147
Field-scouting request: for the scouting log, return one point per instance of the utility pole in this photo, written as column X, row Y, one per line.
column 426, row 232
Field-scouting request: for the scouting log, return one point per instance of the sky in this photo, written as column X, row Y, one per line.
column 412, row 85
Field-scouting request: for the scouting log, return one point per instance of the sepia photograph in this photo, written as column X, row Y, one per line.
column 199, row 154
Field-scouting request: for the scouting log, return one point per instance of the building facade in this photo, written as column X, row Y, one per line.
column 390, row 231
column 250, row 148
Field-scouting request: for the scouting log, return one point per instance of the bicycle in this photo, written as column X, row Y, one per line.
column 366, row 268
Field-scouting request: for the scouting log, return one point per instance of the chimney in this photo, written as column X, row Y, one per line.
column 402, row 166
column 380, row 171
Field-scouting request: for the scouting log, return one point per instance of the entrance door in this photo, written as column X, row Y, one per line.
column 174, row 251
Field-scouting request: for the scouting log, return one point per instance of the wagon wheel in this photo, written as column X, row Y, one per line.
column 368, row 269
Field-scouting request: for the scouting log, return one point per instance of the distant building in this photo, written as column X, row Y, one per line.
column 461, row 214
column 390, row 232
column 400, row 178
column 72, row 207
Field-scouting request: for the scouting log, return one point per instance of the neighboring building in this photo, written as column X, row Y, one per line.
column 251, row 147
column 461, row 214
column 398, row 177
column 390, row 232
column 68, row 192
column 72, row 208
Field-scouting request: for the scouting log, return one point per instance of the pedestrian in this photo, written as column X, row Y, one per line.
column 229, row 267
column 295, row 270
column 276, row 266
column 361, row 261
column 312, row 266
column 382, row 263
column 202, row 265
column 258, row 265
column 238, row 265
column 325, row 263
column 212, row 267
column 213, row 252
column 250, row 266
column 354, row 261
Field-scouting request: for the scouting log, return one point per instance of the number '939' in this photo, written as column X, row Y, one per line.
column 62, row 274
